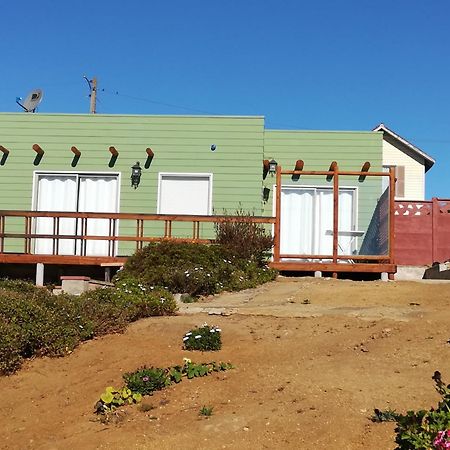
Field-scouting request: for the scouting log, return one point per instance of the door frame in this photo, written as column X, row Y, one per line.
column 186, row 175
column 78, row 174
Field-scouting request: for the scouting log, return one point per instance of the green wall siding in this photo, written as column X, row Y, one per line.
column 179, row 143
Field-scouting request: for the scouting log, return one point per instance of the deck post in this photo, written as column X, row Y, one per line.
column 335, row 212
column 391, row 213
column 276, row 250
column 39, row 274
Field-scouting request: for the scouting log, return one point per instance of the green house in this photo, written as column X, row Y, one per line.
column 196, row 165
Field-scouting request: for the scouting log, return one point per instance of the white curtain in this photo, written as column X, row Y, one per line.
column 346, row 241
column 97, row 194
column 297, row 212
column 307, row 221
column 56, row 193
column 324, row 222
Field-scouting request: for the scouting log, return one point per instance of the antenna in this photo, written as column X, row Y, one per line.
column 92, row 93
column 32, row 100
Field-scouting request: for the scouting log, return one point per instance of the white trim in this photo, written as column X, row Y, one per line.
column 36, row 174
column 382, row 127
column 77, row 174
column 188, row 175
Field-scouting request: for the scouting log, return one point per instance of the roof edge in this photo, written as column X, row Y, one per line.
column 428, row 160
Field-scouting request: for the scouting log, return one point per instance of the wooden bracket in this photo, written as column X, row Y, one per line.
column 150, row 156
column 265, row 168
column 114, row 156
column 333, row 168
column 76, row 157
column 5, row 152
column 39, row 154
column 298, row 167
column 364, row 168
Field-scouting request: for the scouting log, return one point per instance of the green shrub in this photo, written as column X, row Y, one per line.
column 204, row 338
column 10, row 346
column 244, row 240
column 33, row 322
column 422, row 429
column 194, row 269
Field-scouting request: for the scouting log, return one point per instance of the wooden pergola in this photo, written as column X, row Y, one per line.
column 335, row 262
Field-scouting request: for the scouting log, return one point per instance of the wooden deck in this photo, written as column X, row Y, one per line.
column 333, row 263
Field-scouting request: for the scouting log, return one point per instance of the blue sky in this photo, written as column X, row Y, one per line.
column 327, row 65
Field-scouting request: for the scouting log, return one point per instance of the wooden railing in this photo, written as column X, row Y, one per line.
column 30, row 218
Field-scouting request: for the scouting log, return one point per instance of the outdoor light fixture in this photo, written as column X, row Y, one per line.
column 272, row 167
column 136, row 175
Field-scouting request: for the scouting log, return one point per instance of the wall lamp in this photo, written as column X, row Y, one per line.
column 136, row 172
column 272, row 167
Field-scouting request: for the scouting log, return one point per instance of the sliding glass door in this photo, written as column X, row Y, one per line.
column 74, row 193
column 307, row 221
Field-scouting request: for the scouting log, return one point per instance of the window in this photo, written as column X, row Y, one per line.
column 182, row 193
column 400, row 180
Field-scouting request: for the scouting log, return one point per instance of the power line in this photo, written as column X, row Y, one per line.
column 155, row 102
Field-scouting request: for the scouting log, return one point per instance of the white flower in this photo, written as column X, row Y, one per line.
column 218, row 329
column 185, row 339
column 188, row 334
column 187, row 360
column 198, row 336
column 212, row 330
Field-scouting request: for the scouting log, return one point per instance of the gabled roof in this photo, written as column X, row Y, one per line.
column 428, row 160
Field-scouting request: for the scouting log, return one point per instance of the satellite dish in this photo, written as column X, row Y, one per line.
column 32, row 101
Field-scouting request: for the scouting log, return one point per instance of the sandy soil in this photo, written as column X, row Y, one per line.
column 308, row 373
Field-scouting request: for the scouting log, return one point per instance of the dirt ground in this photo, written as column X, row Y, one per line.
column 313, row 358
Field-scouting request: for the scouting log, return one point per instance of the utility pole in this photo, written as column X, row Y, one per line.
column 92, row 93
column 93, row 96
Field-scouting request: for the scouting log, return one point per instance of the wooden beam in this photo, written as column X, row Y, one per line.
column 364, row 169
column 37, row 148
column 39, row 154
column 332, row 267
column 5, row 152
column 113, row 151
column 76, row 156
column 114, row 156
column 341, row 172
column 265, row 168
column 150, row 156
column 298, row 168
column 75, row 151
column 332, row 170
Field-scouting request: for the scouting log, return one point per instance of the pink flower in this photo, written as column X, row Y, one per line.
column 442, row 441
column 145, row 379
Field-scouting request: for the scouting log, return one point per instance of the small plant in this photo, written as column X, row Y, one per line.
column 148, row 380
column 204, row 338
column 114, row 398
column 206, row 411
column 244, row 239
column 422, row 429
